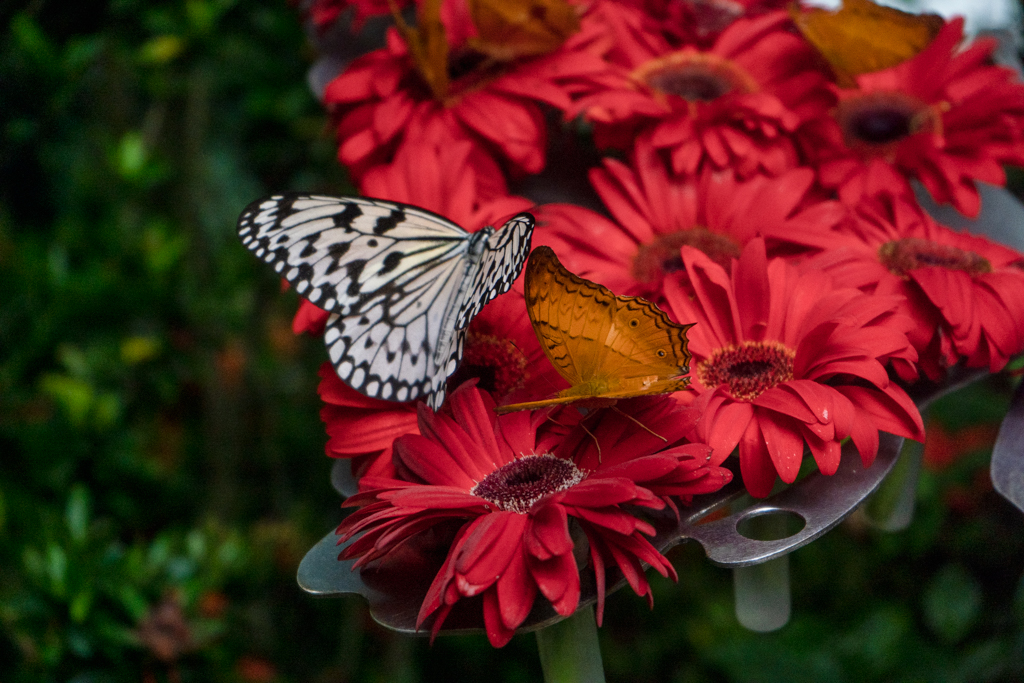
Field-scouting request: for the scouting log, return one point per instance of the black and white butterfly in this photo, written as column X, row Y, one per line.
column 401, row 283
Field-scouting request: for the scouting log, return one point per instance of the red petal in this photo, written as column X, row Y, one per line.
column 489, row 547
column 756, row 462
column 516, row 592
column 785, row 446
column 497, row 632
column 730, row 423
column 558, row 580
column 826, row 454
column 548, row 532
column 787, row 399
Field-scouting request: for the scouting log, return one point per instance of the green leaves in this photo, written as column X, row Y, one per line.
column 952, row 603
column 132, row 134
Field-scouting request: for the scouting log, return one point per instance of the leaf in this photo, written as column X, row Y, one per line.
column 76, row 514
column 952, row 603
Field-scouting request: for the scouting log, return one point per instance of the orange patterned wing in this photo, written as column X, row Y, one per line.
column 862, row 37
column 521, row 28
column 428, row 45
column 607, row 347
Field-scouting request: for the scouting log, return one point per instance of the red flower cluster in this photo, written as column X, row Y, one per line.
column 786, row 360
column 946, row 117
column 655, row 213
column 735, row 105
column 511, row 484
column 747, row 190
column 964, row 292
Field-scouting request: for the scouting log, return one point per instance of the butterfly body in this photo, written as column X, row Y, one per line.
column 608, row 347
column 401, row 283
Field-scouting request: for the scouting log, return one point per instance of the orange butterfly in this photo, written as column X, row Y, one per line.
column 863, row 37
column 608, row 347
column 521, row 28
column 428, row 45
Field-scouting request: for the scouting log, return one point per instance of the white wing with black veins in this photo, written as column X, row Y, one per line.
column 399, row 281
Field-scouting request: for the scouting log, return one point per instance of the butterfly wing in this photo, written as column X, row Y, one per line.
column 862, row 37
column 508, row 29
column 502, row 261
column 389, row 347
column 571, row 316
column 340, row 251
column 401, row 283
column 389, row 273
column 643, row 342
column 607, row 347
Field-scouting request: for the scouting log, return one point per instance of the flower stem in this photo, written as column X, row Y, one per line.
column 761, row 594
column 891, row 507
column 761, row 591
column 569, row 650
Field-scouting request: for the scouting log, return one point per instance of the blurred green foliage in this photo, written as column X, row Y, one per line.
column 162, row 468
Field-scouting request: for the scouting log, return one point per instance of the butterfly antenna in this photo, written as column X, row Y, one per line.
column 581, row 426
column 639, row 424
column 591, row 435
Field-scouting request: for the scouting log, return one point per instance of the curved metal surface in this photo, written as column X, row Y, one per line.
column 342, row 480
column 1007, row 468
column 821, row 501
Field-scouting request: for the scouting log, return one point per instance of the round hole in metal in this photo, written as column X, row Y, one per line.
column 770, row 525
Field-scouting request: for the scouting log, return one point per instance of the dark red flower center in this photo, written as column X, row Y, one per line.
column 881, row 119
column 498, row 365
column 515, row 487
column 904, row 255
column 748, row 369
column 694, row 76
column 655, row 259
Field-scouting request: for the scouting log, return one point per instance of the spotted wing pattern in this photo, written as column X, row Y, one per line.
column 502, row 262
column 401, row 283
column 606, row 346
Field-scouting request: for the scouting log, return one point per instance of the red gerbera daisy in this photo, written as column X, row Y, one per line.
column 783, row 359
column 946, row 117
column 656, row 213
column 734, row 106
column 511, row 483
column 965, row 293
column 429, row 91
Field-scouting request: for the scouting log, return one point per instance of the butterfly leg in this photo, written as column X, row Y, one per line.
column 597, row 443
column 639, row 424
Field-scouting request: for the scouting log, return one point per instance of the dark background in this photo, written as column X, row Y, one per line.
column 161, row 457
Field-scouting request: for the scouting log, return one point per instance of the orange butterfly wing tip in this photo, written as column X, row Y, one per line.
column 607, row 347
column 427, row 43
column 862, row 37
column 508, row 29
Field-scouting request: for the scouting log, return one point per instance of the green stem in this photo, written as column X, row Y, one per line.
column 569, row 650
column 761, row 594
